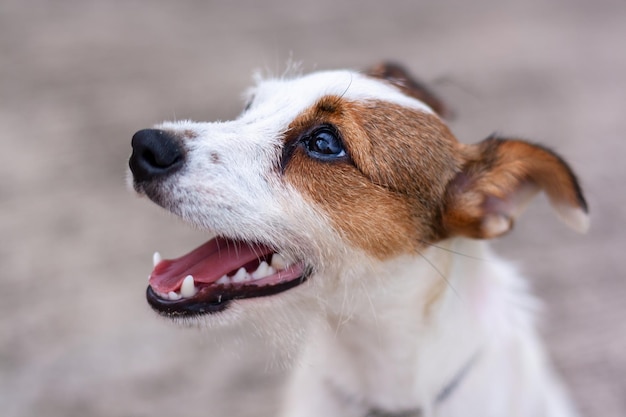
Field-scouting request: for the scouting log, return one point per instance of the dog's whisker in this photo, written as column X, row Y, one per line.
column 341, row 96
column 465, row 255
column 372, row 309
column 441, row 274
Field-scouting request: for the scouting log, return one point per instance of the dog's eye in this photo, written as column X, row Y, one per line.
column 324, row 143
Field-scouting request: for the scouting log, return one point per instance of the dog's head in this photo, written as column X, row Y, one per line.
column 323, row 175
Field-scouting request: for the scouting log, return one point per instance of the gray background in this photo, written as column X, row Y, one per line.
column 77, row 78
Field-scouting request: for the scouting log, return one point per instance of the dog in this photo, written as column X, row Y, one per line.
column 341, row 201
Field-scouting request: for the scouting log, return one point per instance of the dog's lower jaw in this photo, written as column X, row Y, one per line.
column 379, row 357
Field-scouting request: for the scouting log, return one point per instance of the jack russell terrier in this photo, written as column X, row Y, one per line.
column 345, row 214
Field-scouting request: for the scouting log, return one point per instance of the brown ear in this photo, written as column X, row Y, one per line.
column 399, row 77
column 498, row 180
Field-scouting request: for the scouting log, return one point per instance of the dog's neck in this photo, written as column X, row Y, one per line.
column 411, row 331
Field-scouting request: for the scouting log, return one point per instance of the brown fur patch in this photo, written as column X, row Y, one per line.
column 215, row 157
column 399, row 77
column 190, row 134
column 497, row 181
column 387, row 197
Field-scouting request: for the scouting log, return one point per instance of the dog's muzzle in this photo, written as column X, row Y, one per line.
column 224, row 269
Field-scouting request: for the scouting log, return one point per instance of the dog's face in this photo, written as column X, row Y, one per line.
column 324, row 176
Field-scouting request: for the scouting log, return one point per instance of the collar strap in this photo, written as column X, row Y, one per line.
column 451, row 386
column 380, row 413
column 441, row 397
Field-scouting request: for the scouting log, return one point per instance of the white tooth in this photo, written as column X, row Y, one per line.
column 156, row 259
column 278, row 262
column 188, row 289
column 241, row 275
column 261, row 271
column 270, row 271
column 223, row 280
column 174, row 296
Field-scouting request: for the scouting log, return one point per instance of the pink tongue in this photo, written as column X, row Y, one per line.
column 206, row 263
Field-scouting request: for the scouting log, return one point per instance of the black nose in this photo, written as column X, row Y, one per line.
column 155, row 153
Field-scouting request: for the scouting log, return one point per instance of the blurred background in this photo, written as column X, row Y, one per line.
column 79, row 77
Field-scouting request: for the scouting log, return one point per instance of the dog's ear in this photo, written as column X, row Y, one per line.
column 399, row 77
column 497, row 181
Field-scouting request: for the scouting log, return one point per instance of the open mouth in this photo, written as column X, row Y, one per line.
column 208, row 278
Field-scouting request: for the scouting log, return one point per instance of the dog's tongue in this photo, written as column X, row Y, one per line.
column 206, row 263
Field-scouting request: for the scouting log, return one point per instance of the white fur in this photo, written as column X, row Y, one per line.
column 369, row 339
column 392, row 356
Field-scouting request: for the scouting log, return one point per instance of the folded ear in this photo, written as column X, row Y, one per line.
column 498, row 179
column 399, row 77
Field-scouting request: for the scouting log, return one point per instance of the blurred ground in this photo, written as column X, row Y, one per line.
column 77, row 78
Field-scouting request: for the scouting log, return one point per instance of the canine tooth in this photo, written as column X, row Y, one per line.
column 188, row 288
column 223, row 280
column 261, row 271
column 174, row 296
column 270, row 271
column 278, row 262
column 240, row 276
column 156, row 259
